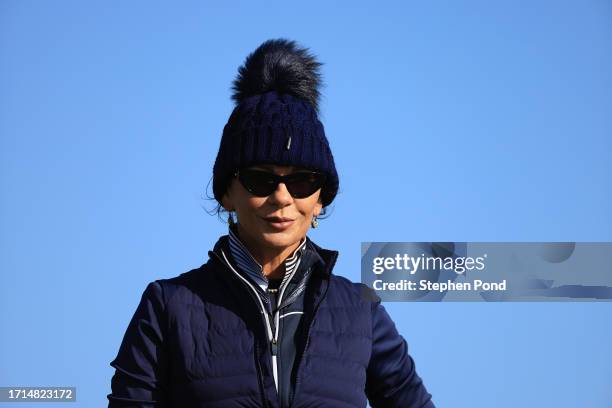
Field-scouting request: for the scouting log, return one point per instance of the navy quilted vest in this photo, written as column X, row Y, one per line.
column 199, row 340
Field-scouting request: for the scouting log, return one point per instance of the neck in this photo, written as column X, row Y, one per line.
column 271, row 259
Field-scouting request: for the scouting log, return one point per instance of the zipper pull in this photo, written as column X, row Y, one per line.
column 274, row 347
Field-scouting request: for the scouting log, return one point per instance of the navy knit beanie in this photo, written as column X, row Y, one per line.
column 275, row 120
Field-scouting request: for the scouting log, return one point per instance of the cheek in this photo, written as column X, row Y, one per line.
column 308, row 208
column 251, row 206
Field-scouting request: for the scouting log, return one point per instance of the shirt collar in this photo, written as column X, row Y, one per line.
column 251, row 268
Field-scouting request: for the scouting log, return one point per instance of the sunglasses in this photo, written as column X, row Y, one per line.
column 262, row 183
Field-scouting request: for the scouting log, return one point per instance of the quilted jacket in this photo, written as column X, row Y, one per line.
column 199, row 340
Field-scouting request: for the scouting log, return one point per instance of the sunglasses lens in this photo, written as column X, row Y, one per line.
column 258, row 183
column 302, row 185
column 263, row 183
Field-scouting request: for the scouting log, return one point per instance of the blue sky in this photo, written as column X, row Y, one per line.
column 449, row 121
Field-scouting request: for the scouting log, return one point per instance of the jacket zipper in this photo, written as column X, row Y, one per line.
column 275, row 343
column 272, row 337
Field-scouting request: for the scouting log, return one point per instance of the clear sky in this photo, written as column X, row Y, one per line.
column 449, row 121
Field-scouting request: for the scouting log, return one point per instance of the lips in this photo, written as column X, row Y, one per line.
column 279, row 223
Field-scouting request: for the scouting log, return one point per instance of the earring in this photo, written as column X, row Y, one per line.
column 230, row 219
column 314, row 222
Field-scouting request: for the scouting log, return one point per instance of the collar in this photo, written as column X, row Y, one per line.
column 326, row 258
column 250, row 268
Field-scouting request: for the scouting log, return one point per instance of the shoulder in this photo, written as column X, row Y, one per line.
column 347, row 291
column 342, row 288
column 187, row 287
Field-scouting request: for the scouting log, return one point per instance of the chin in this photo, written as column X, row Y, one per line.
column 279, row 239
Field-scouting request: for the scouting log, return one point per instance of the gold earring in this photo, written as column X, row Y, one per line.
column 314, row 222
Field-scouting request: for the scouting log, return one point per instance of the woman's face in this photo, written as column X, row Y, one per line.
column 277, row 221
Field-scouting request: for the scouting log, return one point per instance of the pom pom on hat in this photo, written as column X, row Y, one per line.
column 279, row 65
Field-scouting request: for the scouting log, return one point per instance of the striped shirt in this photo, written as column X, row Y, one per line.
column 253, row 270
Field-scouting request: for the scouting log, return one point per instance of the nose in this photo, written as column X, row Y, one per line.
column 281, row 195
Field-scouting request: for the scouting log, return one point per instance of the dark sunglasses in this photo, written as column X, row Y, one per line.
column 262, row 183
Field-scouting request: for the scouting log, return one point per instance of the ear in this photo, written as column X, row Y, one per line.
column 226, row 201
column 318, row 207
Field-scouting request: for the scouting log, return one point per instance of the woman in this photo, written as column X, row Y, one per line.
column 265, row 322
